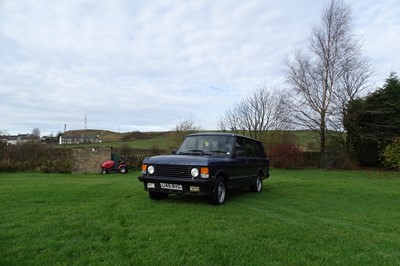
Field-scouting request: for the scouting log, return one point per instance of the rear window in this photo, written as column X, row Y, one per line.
column 254, row 148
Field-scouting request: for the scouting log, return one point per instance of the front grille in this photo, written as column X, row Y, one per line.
column 172, row 170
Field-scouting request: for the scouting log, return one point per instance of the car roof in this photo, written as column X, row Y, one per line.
column 221, row 134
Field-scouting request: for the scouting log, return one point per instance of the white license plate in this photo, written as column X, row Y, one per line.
column 171, row 186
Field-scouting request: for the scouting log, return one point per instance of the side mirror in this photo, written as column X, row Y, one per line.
column 173, row 151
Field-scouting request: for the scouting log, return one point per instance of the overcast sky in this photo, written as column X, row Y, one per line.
column 146, row 65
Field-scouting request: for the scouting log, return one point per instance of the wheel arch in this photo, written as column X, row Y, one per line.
column 224, row 175
column 260, row 172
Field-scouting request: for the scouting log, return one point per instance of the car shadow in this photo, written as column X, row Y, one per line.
column 236, row 194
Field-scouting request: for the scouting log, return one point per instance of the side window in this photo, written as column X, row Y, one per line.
column 259, row 150
column 239, row 145
column 250, row 148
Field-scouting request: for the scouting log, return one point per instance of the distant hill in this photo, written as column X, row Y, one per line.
column 306, row 140
column 111, row 136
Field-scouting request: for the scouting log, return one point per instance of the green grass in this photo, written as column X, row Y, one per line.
column 159, row 142
column 310, row 217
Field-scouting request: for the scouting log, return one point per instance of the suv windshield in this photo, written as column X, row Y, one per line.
column 207, row 145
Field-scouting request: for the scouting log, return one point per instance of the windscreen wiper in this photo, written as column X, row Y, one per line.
column 192, row 152
column 223, row 152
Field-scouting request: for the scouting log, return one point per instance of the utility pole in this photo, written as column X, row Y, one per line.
column 85, row 126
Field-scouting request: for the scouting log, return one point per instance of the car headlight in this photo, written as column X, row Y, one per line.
column 150, row 169
column 194, row 172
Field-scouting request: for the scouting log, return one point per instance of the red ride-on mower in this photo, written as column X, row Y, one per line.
column 114, row 165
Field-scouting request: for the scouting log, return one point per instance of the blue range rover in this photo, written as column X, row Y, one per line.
column 207, row 164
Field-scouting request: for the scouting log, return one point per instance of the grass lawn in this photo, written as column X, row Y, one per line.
column 309, row 217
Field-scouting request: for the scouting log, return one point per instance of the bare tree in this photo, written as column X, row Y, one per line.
column 36, row 132
column 332, row 73
column 183, row 128
column 353, row 83
column 256, row 114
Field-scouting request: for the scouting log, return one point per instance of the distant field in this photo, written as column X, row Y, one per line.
column 309, row 217
column 160, row 140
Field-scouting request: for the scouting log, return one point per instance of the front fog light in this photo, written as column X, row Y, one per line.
column 194, row 172
column 194, row 189
column 151, row 185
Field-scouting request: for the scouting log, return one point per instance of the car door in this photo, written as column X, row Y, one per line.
column 238, row 163
column 262, row 160
column 252, row 161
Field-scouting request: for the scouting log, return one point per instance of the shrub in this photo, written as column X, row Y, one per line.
column 391, row 155
column 56, row 166
column 35, row 157
column 279, row 137
column 125, row 149
column 311, row 159
column 285, row 155
column 312, row 145
column 337, row 155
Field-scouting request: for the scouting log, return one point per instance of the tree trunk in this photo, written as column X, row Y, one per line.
column 322, row 143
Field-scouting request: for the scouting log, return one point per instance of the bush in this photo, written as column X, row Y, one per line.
column 373, row 122
column 311, row 159
column 285, row 155
column 56, row 166
column 134, row 157
column 34, row 157
column 125, row 149
column 279, row 137
column 391, row 155
column 312, row 145
column 337, row 155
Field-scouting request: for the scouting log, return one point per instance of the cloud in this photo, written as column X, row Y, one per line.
column 137, row 65
column 377, row 24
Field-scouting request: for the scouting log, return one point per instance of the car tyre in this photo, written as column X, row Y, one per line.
column 219, row 192
column 257, row 186
column 157, row 195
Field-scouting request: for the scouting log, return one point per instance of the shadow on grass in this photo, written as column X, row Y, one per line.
column 233, row 195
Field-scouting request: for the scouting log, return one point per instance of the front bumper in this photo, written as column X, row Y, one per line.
column 205, row 186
